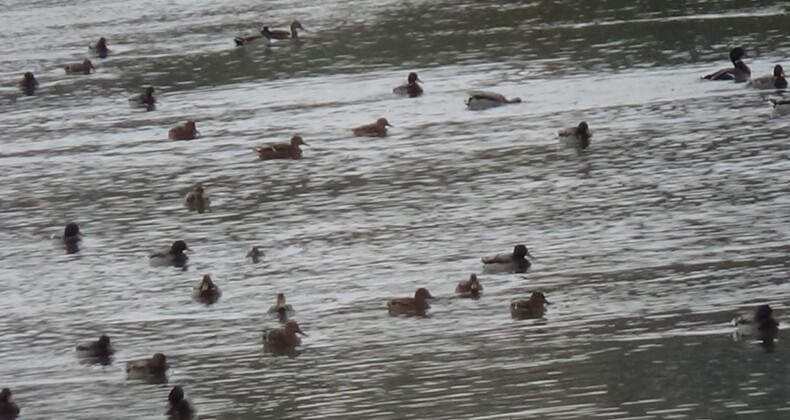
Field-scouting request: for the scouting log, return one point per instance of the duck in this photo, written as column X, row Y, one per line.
column 377, row 129
column 100, row 48
column 174, row 256
column 479, row 99
column 578, row 136
column 207, row 292
column 8, row 409
column 509, row 262
column 197, row 200
column 144, row 100
column 71, row 238
column 255, row 253
column 532, row 308
column 412, row 88
column 763, row 325
column 28, row 84
column 187, row 131
column 776, row 81
column 470, row 288
column 283, row 34
column 280, row 304
column 284, row 337
column 179, row 407
column 416, row 305
column 739, row 72
column 156, row 366
column 282, row 150
column 84, row 67
column 99, row 348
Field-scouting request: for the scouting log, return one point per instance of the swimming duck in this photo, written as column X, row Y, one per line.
column 207, row 292
column 84, row 67
column 144, row 100
column 280, row 304
column 739, row 72
column 284, row 337
column 188, row 131
column 483, row 100
column 282, row 150
column 174, row 256
column 470, row 288
column 179, row 407
column 509, row 262
column 256, row 254
column 777, row 81
column 8, row 409
column 28, row 84
column 100, row 48
column 155, row 366
column 377, row 129
column 532, row 308
column 197, row 200
column 412, row 88
column 282, row 34
column 763, row 325
column 578, row 136
column 71, row 238
column 100, row 348
column 416, row 305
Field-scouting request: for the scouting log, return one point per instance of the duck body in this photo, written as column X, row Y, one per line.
column 283, row 34
column 80, row 68
column 762, row 325
column 578, row 136
column 144, row 100
column 28, row 84
column 511, row 262
column 377, row 129
column 72, row 238
column 179, row 407
column 290, row 150
column 8, row 409
column 207, row 292
column 470, row 288
column 479, row 100
column 776, row 81
column 413, row 306
column 246, row 39
column 412, row 87
column 197, row 200
column 174, row 256
column 739, row 72
column 102, row 348
column 285, row 337
column 187, row 131
column 532, row 308
column 155, row 367
column 781, row 106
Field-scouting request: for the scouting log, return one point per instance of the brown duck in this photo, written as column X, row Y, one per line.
column 284, row 337
column 282, row 150
column 416, row 305
column 187, row 131
column 283, row 34
column 470, row 288
column 532, row 308
column 377, row 129
column 412, row 87
column 85, row 67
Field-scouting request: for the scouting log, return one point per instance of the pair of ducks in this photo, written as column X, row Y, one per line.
column 741, row 73
column 270, row 35
column 99, row 49
column 477, row 100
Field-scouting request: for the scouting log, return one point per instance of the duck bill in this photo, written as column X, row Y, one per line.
column 530, row 255
column 302, row 333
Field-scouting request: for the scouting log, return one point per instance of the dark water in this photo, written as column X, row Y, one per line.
column 675, row 219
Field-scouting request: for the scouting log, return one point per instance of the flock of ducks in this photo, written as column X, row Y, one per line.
column 284, row 340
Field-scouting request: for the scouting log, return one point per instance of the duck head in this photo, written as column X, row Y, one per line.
column 382, row 122
column 207, row 284
column 473, row 279
column 191, row 127
column 30, row 78
column 413, row 78
column 736, row 54
column 255, row 252
column 298, row 141
column 178, row 247
column 176, row 395
column 5, row 395
column 296, row 25
column 764, row 314
column 779, row 71
column 280, row 299
column 474, row 286
column 88, row 64
column 199, row 189
column 584, row 129
column 539, row 298
column 149, row 91
column 104, row 343
column 422, row 294
column 102, row 43
column 71, row 230
column 520, row 252
column 292, row 328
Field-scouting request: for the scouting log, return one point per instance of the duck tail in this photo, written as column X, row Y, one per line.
column 239, row 41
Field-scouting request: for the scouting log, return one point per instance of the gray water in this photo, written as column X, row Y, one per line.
column 674, row 221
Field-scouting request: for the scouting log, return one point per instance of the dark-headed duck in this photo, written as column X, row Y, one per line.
column 80, row 68
column 144, row 100
column 100, row 48
column 470, row 288
column 207, row 292
column 532, row 308
column 412, row 87
column 578, row 136
column 99, row 348
column 416, row 305
column 776, row 81
column 187, row 131
column 483, row 100
column 763, row 325
column 173, row 256
column 8, row 409
column 512, row 262
column 377, row 129
column 28, row 84
column 197, row 200
column 739, row 72
column 282, row 150
column 178, row 407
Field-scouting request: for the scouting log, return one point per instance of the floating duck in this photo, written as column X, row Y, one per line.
column 207, row 292
column 144, row 100
column 512, row 262
column 284, row 337
column 174, row 256
column 8, row 409
column 282, row 150
column 84, row 67
column 763, row 325
column 179, row 407
column 100, row 48
column 280, row 304
column 532, row 308
column 282, row 34
column 470, row 288
column 416, row 305
column 776, row 81
column 256, row 254
column 483, row 100
column 28, row 84
column 739, row 72
column 377, row 129
column 412, row 87
column 578, row 136
column 188, row 131
column 155, row 367
column 100, row 348
column 197, row 200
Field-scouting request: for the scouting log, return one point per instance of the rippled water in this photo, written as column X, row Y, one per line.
column 648, row 243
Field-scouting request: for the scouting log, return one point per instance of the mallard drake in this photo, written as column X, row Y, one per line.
column 478, row 100
column 179, row 407
column 284, row 337
column 739, row 72
column 512, row 262
column 412, row 87
column 99, row 348
column 187, row 131
column 8, row 409
column 174, row 256
column 763, row 325
column 283, row 34
column 28, row 84
column 775, row 81
column 282, row 150
column 197, row 200
column 578, row 136
column 470, row 288
column 377, row 129
column 532, row 308
column 156, row 366
column 416, row 305
column 84, row 67
column 280, row 304
column 100, row 48
column 255, row 254
column 207, row 292
column 144, row 100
